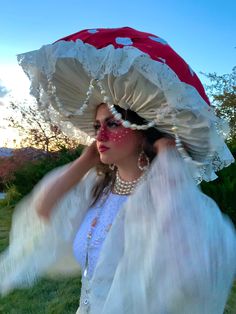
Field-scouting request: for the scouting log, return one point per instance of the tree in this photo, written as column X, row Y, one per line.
column 36, row 131
column 223, row 93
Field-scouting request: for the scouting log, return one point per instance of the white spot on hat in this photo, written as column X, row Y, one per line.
column 92, row 31
column 191, row 70
column 159, row 40
column 125, row 41
column 162, row 59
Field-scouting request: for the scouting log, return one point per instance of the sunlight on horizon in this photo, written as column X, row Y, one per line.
column 17, row 85
column 9, row 138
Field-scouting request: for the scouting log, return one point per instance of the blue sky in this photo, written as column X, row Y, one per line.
column 202, row 32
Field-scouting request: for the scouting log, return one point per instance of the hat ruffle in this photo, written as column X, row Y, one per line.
column 60, row 75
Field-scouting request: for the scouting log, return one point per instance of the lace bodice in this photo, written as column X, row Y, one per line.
column 108, row 211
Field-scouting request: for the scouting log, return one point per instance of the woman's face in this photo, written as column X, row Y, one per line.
column 115, row 143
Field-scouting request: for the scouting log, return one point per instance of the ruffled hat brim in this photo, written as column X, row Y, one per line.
column 60, row 75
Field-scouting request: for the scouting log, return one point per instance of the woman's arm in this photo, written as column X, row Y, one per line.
column 67, row 180
column 42, row 247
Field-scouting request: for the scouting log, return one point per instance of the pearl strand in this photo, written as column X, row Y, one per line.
column 106, row 100
column 88, row 96
column 179, row 145
column 122, row 187
column 118, row 116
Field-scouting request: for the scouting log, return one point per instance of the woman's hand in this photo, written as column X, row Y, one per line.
column 91, row 155
column 67, row 180
column 163, row 144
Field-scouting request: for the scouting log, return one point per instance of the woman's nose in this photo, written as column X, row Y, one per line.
column 102, row 135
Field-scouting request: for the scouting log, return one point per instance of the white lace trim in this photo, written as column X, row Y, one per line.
column 108, row 211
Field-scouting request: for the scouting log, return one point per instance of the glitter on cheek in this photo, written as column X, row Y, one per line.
column 103, row 134
column 119, row 135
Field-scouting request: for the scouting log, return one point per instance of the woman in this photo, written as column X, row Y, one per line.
column 146, row 238
column 124, row 144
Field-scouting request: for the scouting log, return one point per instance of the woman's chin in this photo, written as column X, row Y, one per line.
column 105, row 160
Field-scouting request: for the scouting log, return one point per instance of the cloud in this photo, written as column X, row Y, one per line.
column 3, row 90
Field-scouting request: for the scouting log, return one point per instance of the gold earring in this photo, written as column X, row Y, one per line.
column 143, row 161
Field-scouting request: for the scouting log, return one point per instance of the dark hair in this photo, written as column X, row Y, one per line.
column 107, row 175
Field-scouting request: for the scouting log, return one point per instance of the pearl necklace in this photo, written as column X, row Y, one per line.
column 126, row 187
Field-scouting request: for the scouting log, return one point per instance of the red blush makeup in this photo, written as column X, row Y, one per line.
column 115, row 136
column 118, row 136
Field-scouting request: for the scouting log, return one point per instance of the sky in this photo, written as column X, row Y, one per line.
column 202, row 32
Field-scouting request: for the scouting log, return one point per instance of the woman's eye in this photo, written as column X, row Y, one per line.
column 113, row 124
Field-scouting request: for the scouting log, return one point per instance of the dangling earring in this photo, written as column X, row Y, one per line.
column 143, row 161
column 112, row 166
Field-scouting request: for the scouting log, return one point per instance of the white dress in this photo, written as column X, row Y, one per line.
column 169, row 250
column 106, row 210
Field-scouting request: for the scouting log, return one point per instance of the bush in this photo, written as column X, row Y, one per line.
column 10, row 164
column 11, row 198
column 223, row 190
column 31, row 173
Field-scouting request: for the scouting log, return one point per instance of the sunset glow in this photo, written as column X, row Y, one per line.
column 17, row 86
column 9, row 138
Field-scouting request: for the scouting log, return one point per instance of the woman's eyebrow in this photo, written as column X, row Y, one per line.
column 105, row 120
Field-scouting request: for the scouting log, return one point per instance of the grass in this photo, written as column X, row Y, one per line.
column 46, row 297
column 50, row 296
column 231, row 304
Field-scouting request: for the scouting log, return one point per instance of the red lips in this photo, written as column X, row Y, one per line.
column 102, row 148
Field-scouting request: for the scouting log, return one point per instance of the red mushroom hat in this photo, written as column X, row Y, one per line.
column 134, row 70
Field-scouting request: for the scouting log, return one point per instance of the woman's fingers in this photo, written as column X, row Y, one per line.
column 163, row 144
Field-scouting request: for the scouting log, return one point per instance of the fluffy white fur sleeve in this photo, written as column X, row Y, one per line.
column 38, row 247
column 170, row 250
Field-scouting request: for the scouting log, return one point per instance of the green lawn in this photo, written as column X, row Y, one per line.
column 51, row 297
column 46, row 297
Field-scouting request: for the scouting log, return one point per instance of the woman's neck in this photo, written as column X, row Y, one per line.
column 129, row 171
